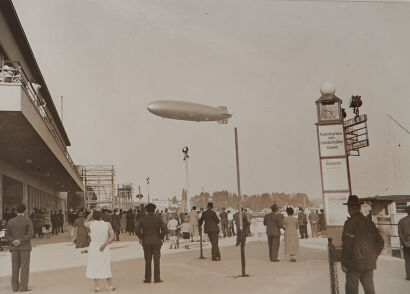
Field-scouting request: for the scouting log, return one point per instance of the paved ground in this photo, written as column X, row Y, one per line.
column 60, row 268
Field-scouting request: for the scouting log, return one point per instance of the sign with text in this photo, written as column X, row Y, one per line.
column 336, row 212
column 355, row 120
column 334, row 173
column 357, row 145
column 331, row 140
column 356, row 137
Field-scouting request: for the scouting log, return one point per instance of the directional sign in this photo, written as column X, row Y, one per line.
column 352, row 138
column 355, row 121
column 355, row 130
column 357, row 145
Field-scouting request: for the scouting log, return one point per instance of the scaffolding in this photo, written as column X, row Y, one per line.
column 125, row 194
column 99, row 183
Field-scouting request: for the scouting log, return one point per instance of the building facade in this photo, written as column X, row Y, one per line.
column 35, row 166
column 386, row 212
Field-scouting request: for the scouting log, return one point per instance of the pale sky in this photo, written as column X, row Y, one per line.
column 264, row 60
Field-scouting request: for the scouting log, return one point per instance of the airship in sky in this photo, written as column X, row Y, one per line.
column 189, row 111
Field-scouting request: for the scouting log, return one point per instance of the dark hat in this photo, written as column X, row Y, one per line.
column 150, row 207
column 21, row 208
column 210, row 205
column 353, row 200
column 274, row 207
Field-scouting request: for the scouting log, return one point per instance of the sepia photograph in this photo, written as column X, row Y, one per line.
column 205, row 146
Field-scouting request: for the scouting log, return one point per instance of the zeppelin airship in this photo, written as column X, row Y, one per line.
column 189, row 111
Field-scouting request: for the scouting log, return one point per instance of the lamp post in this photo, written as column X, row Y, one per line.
column 148, row 187
column 139, row 195
column 186, row 157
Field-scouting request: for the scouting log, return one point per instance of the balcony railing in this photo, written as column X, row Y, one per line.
column 12, row 74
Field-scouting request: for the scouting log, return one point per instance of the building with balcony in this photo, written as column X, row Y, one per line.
column 35, row 166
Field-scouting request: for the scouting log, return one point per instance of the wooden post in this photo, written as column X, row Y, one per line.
column 241, row 232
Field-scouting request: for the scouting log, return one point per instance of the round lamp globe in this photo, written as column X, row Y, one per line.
column 327, row 89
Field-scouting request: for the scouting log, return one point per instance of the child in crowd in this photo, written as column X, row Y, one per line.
column 172, row 228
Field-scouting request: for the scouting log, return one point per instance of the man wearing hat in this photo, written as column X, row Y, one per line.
column 302, row 221
column 361, row 245
column 273, row 222
column 151, row 230
column 404, row 233
column 19, row 232
column 211, row 228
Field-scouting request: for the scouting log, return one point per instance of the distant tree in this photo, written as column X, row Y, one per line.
column 174, row 200
column 254, row 202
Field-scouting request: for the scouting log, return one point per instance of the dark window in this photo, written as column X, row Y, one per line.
column 401, row 207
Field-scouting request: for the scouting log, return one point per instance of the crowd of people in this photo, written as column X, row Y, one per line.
column 95, row 230
column 316, row 218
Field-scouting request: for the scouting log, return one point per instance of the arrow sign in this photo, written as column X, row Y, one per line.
column 355, row 121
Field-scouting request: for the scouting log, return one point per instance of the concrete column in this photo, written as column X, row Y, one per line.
column 25, row 195
column 1, row 196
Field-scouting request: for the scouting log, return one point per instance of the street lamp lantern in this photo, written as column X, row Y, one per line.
column 139, row 196
column 329, row 106
column 185, row 151
column 148, row 180
column 355, row 103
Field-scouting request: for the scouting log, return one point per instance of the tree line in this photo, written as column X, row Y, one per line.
column 255, row 202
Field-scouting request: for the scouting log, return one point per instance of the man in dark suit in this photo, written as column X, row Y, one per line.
column 273, row 222
column 224, row 222
column 53, row 217
column 60, row 221
column 211, row 228
column 302, row 221
column 404, row 234
column 19, row 232
column 151, row 230
column 361, row 246
column 115, row 223
column 106, row 215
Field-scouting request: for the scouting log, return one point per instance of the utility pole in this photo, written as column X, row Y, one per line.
column 242, row 236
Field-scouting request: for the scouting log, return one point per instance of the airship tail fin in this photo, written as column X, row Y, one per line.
column 223, row 108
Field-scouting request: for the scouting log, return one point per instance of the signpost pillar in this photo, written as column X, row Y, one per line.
column 334, row 168
column 337, row 139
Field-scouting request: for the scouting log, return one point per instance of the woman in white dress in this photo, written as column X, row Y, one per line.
column 291, row 235
column 99, row 265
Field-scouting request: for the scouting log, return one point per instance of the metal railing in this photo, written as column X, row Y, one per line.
column 12, row 74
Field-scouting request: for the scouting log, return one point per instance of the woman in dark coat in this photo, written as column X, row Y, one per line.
column 130, row 222
column 81, row 232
